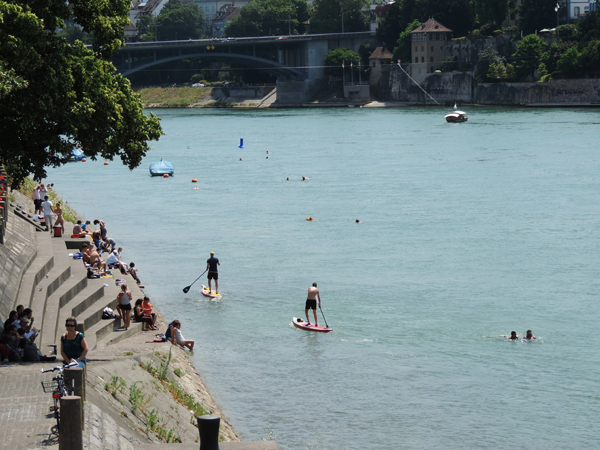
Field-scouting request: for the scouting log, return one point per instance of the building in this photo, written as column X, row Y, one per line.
column 428, row 49
column 381, row 57
column 224, row 15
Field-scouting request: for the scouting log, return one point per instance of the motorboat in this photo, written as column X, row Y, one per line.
column 161, row 168
column 456, row 116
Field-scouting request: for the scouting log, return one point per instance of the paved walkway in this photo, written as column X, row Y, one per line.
column 26, row 419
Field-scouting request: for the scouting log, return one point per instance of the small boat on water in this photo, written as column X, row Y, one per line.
column 456, row 116
column 76, row 155
column 161, row 168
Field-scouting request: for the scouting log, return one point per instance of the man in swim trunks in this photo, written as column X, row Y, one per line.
column 211, row 266
column 311, row 302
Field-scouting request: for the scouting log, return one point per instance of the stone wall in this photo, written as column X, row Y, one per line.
column 16, row 255
column 450, row 87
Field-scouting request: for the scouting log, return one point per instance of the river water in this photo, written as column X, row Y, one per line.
column 467, row 232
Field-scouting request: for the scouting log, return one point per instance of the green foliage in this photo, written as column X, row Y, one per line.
column 75, row 33
column 492, row 11
column 403, row 44
column 335, row 58
column 394, row 22
column 450, row 64
column 69, row 94
column 327, row 16
column 178, row 372
column 568, row 63
column 487, row 57
column 537, row 15
column 177, row 21
column 568, row 32
column 270, row 17
column 454, row 14
column 136, row 397
column 116, row 385
column 528, row 56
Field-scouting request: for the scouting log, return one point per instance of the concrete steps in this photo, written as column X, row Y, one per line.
column 58, row 288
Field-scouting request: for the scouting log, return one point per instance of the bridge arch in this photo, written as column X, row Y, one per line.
column 272, row 67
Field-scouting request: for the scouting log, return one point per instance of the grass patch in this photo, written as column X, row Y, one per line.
column 174, row 96
column 116, row 385
column 26, row 189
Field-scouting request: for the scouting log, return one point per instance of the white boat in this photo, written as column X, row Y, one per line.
column 456, row 116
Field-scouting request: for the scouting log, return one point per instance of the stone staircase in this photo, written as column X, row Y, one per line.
column 55, row 286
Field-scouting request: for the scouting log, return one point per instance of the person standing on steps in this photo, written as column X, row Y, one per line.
column 311, row 302
column 213, row 274
column 124, row 305
column 48, row 213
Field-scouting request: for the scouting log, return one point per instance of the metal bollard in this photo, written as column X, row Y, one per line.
column 208, row 426
column 70, row 436
column 74, row 377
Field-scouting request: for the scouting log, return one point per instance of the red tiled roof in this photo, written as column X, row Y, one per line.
column 431, row 26
column 381, row 53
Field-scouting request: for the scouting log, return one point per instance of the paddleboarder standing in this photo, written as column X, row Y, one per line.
column 211, row 266
column 311, row 302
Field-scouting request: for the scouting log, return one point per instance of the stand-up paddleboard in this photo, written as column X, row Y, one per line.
column 208, row 293
column 301, row 323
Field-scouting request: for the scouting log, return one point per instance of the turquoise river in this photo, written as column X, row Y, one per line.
column 467, row 232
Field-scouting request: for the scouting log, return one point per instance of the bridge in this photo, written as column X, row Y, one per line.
column 296, row 61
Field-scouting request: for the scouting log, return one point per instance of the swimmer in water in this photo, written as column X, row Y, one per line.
column 529, row 336
column 513, row 336
column 304, row 179
column 241, row 159
column 287, row 179
column 357, row 221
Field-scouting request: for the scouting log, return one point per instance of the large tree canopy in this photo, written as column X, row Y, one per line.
column 64, row 94
column 327, row 16
column 491, row 11
column 537, row 15
column 270, row 17
column 177, row 21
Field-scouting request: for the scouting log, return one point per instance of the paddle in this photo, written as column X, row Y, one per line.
column 324, row 317
column 187, row 288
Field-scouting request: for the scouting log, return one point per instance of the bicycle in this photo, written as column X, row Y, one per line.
column 58, row 388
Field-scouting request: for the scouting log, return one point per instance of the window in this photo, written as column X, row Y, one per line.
column 576, row 11
column 373, row 63
column 432, row 48
column 416, row 59
column 432, row 69
column 422, row 48
column 422, row 59
column 416, row 48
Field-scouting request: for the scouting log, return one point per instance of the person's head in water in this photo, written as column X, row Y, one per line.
column 513, row 335
column 314, row 284
column 529, row 334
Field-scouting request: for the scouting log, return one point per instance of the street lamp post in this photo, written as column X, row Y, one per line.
column 556, row 9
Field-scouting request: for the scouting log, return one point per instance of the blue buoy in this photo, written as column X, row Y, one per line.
column 241, row 143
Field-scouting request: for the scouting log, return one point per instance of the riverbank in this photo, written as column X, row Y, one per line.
column 137, row 391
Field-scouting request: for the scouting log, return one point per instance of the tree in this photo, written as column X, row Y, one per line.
column 177, row 21
column 487, row 57
column 528, row 56
column 399, row 15
column 75, row 33
column 568, row 64
column 338, row 61
column 68, row 95
column 327, row 16
column 537, row 15
column 403, row 44
column 491, row 11
column 454, row 14
column 270, row 17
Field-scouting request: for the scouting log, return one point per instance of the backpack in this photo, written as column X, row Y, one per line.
column 108, row 313
column 162, row 337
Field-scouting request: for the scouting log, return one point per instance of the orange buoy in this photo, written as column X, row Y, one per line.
column 166, row 175
column 310, row 218
column 83, row 160
column 194, row 180
column 106, row 163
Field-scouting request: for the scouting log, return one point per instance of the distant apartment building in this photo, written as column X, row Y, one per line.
column 223, row 16
column 428, row 48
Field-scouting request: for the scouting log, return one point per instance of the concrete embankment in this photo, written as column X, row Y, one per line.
column 450, row 87
column 138, row 392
